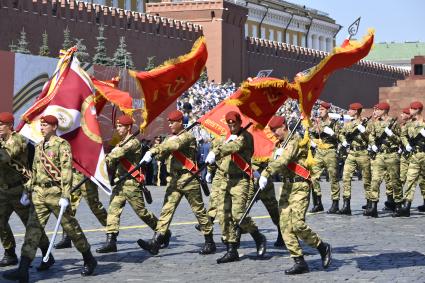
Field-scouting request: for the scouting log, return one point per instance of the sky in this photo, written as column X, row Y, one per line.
column 393, row 20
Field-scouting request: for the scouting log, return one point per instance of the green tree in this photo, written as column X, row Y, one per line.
column 100, row 57
column 204, row 76
column 23, row 43
column 151, row 63
column 44, row 48
column 122, row 58
column 81, row 52
column 13, row 47
column 67, row 42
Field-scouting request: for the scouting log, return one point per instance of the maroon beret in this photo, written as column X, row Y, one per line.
column 325, row 105
column 416, row 105
column 406, row 111
column 6, row 117
column 276, row 122
column 356, row 106
column 233, row 116
column 175, row 115
column 125, row 120
column 49, row 119
column 383, row 106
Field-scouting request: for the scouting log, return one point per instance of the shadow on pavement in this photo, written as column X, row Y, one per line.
column 390, row 260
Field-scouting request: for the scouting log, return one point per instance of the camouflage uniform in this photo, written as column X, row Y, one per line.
column 294, row 199
column 357, row 156
column 186, row 144
column 387, row 160
column 128, row 190
column 47, row 190
column 14, row 151
column 89, row 191
column 326, row 157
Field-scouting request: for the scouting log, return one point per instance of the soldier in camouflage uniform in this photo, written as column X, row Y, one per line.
column 89, row 191
column 413, row 140
column 384, row 141
column 354, row 137
column 179, row 150
column 325, row 132
column 127, row 150
column 294, row 200
column 13, row 174
column 234, row 194
column 51, row 184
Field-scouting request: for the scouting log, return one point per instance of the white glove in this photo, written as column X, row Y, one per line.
column 208, row 177
column 210, row 158
column 328, row 131
column 388, row 132
column 256, row 174
column 147, row 157
column 399, row 151
column 25, row 201
column 361, row 128
column 232, row 138
column 313, row 144
column 345, row 144
column 374, row 148
column 278, row 153
column 63, row 202
column 422, row 132
column 408, row 148
column 262, row 182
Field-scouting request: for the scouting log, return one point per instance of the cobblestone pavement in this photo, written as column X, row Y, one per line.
column 364, row 249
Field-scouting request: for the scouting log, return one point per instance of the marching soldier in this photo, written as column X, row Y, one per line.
column 179, row 150
column 125, row 155
column 234, row 157
column 325, row 132
column 51, row 184
column 385, row 141
column 413, row 139
column 354, row 136
column 294, row 200
column 13, row 174
column 89, row 191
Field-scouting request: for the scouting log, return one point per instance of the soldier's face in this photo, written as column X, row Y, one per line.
column 352, row 112
column 323, row 112
column 175, row 126
column 279, row 133
column 234, row 126
column 122, row 130
column 379, row 112
column 47, row 130
column 5, row 129
column 413, row 111
column 404, row 116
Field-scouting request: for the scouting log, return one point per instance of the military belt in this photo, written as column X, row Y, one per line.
column 176, row 173
column 49, row 184
column 298, row 179
column 358, row 148
column 236, row 176
column 389, row 150
column 13, row 185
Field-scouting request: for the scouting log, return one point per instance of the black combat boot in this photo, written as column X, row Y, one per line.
column 397, row 210
column 279, row 241
column 153, row 245
column 318, row 206
column 110, row 245
column 198, row 226
column 299, row 267
column 166, row 240
column 9, row 258
column 65, row 243
column 90, row 264
column 334, row 208
column 209, row 246
column 346, row 208
column 325, row 251
column 45, row 265
column 21, row 274
column 389, row 204
column 260, row 242
column 372, row 211
column 405, row 210
column 421, row 208
column 231, row 254
column 367, row 205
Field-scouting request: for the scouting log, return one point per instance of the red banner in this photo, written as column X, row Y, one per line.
column 107, row 91
column 161, row 86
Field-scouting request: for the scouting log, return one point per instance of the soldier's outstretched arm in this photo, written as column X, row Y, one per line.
column 171, row 144
column 66, row 169
column 120, row 151
column 231, row 147
column 290, row 151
